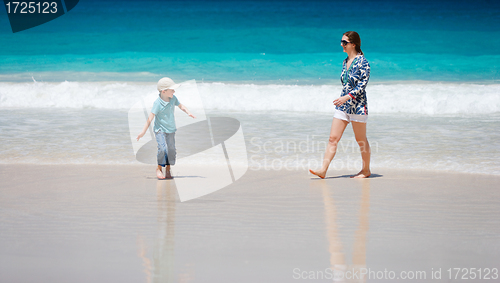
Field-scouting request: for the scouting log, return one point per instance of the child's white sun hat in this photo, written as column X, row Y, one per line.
column 166, row 83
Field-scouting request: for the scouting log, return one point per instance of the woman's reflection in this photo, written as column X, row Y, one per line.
column 337, row 259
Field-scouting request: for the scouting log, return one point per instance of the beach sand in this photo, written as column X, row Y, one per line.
column 102, row 223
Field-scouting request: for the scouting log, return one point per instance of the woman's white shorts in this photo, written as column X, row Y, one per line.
column 350, row 117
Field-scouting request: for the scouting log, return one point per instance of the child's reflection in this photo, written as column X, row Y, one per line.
column 161, row 268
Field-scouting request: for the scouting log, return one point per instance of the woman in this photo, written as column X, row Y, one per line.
column 351, row 106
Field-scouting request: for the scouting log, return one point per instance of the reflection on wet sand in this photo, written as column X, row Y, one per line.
column 163, row 267
column 337, row 259
column 146, row 262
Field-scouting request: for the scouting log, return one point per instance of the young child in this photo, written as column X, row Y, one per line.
column 164, row 127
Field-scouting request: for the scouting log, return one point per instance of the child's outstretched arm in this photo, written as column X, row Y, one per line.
column 183, row 108
column 148, row 122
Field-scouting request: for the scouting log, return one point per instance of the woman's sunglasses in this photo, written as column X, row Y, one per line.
column 344, row 43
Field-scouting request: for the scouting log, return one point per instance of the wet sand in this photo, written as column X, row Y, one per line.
column 96, row 223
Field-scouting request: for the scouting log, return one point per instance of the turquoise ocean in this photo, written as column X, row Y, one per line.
column 433, row 96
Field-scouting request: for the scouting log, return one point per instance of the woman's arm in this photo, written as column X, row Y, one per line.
column 183, row 108
column 148, row 122
column 364, row 71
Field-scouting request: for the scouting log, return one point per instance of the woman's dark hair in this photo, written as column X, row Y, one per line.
column 355, row 39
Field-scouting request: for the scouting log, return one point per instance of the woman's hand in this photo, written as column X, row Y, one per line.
column 341, row 100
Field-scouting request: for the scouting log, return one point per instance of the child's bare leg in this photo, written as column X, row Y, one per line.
column 167, row 172
column 159, row 172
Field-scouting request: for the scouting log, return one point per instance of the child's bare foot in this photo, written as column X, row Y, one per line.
column 167, row 175
column 159, row 174
column 318, row 173
column 362, row 174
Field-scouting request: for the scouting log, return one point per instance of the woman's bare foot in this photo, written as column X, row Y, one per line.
column 159, row 174
column 362, row 174
column 318, row 173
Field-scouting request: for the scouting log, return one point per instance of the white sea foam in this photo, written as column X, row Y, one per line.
column 424, row 98
column 418, row 98
column 79, row 95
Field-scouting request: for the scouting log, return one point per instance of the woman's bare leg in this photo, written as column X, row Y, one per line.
column 338, row 127
column 360, row 135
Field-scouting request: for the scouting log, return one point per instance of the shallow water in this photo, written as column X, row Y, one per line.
column 276, row 140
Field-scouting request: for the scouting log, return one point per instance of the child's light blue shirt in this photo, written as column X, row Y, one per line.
column 164, row 114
